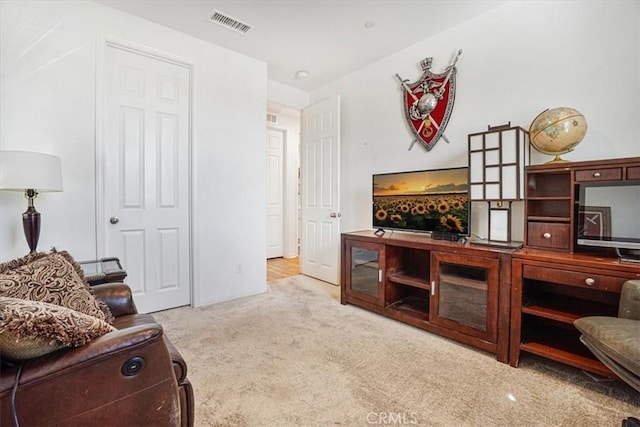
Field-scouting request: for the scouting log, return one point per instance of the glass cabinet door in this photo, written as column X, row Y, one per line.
column 464, row 294
column 365, row 276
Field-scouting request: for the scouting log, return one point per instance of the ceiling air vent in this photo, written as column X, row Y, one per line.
column 272, row 118
column 228, row 22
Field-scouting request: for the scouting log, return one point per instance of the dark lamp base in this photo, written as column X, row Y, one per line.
column 31, row 226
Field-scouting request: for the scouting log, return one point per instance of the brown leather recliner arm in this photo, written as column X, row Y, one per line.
column 123, row 372
column 117, row 296
column 70, row 359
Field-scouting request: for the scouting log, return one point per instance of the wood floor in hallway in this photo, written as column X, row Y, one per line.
column 279, row 268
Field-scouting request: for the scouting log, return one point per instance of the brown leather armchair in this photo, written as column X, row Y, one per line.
column 132, row 377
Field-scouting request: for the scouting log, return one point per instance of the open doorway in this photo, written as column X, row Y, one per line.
column 283, row 191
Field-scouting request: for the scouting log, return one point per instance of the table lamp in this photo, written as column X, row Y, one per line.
column 497, row 158
column 32, row 173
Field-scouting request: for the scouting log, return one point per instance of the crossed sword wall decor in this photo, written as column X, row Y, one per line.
column 426, row 106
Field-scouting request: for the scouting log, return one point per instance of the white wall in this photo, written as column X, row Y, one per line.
column 517, row 60
column 47, row 103
column 287, row 95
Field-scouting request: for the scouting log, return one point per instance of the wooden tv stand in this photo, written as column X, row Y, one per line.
column 454, row 289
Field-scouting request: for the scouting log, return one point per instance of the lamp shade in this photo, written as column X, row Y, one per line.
column 21, row 170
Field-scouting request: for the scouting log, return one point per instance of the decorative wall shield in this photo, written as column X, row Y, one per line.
column 428, row 103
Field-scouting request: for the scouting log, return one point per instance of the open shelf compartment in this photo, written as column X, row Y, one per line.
column 566, row 304
column 408, row 266
column 408, row 299
column 554, row 334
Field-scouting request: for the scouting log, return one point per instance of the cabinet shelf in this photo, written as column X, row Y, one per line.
column 565, row 309
column 558, row 337
column 549, row 218
column 454, row 280
column 413, row 306
column 567, row 357
column 549, row 198
column 551, row 313
column 405, row 279
column 542, row 185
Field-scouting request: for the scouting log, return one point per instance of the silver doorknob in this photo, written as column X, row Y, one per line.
column 114, row 220
column 334, row 215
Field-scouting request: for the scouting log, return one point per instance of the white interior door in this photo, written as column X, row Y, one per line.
column 320, row 169
column 145, row 168
column 275, row 196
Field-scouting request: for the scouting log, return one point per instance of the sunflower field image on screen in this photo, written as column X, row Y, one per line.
column 435, row 201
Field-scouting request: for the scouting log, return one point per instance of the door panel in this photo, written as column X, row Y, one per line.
column 132, row 256
column 320, row 245
column 145, row 168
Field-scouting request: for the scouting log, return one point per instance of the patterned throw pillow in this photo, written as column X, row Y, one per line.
column 32, row 328
column 54, row 278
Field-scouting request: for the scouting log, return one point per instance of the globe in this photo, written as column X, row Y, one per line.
column 557, row 131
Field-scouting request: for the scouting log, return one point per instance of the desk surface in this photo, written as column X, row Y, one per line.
column 103, row 270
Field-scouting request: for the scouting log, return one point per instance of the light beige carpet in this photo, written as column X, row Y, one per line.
column 296, row 357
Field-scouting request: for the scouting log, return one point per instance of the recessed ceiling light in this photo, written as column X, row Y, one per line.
column 369, row 24
column 302, row 74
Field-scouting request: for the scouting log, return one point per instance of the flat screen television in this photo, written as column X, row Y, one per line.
column 433, row 201
column 608, row 215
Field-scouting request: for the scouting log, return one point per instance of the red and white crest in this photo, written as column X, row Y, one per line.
column 428, row 103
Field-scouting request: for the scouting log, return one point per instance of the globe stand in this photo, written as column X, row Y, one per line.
column 558, row 159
